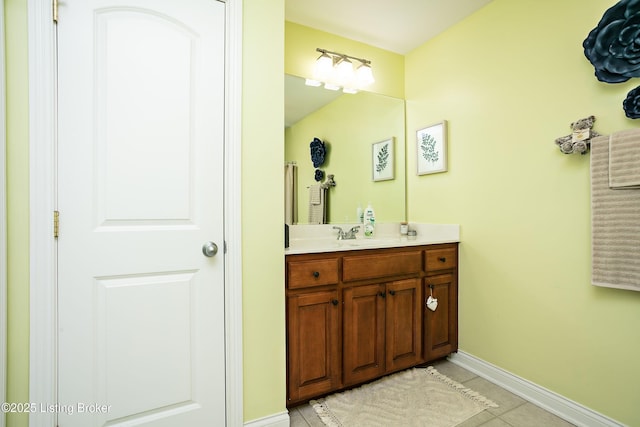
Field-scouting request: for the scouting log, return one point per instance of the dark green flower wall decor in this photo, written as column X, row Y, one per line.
column 613, row 48
column 317, row 152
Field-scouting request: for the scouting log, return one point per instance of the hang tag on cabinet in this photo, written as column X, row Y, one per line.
column 432, row 303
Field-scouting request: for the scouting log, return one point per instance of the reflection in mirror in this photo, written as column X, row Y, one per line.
column 350, row 125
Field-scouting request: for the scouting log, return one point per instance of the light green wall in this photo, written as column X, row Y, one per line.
column 17, row 208
column 300, row 55
column 509, row 80
column 262, row 222
column 349, row 126
column 262, row 208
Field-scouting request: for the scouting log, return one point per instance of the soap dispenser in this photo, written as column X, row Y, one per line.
column 369, row 221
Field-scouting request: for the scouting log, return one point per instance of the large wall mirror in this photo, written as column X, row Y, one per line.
column 350, row 125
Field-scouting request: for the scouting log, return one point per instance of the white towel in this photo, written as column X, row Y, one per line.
column 624, row 160
column 315, row 194
column 317, row 212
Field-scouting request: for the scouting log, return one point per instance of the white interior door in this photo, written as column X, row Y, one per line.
column 140, row 190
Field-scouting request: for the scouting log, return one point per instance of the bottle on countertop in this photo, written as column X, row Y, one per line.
column 360, row 214
column 369, row 221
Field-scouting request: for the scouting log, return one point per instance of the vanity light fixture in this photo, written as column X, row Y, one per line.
column 336, row 71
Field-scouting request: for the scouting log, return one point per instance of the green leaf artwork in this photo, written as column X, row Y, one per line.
column 383, row 158
column 428, row 147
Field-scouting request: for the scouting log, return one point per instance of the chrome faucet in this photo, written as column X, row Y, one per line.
column 347, row 235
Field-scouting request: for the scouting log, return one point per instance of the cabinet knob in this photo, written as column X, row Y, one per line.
column 382, row 294
column 334, row 302
column 442, row 259
column 392, row 292
column 316, row 274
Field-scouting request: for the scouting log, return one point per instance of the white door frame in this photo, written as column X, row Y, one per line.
column 42, row 199
column 3, row 221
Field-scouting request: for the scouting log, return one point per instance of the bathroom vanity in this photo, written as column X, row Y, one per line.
column 357, row 310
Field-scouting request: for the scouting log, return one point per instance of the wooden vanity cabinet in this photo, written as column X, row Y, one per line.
column 363, row 324
column 354, row 316
column 382, row 329
column 404, row 305
column 441, row 281
column 313, row 339
column 313, row 326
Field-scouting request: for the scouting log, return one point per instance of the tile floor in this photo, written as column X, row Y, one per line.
column 513, row 411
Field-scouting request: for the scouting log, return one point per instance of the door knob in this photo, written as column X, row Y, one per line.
column 209, row 249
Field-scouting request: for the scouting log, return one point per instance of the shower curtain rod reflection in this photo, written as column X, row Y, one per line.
column 290, row 190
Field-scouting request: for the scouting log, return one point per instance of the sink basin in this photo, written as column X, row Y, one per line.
column 328, row 244
column 370, row 242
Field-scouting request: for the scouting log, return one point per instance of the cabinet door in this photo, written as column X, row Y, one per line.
column 363, row 333
column 313, row 344
column 403, row 324
column 441, row 325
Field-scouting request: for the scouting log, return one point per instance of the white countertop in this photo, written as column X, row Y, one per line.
column 304, row 239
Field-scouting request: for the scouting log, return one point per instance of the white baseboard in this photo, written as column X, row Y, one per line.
column 564, row 408
column 275, row 420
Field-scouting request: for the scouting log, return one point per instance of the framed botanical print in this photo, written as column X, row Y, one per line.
column 382, row 160
column 431, row 145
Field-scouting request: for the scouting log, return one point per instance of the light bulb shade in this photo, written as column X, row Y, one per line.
column 364, row 75
column 323, row 68
column 336, row 71
column 344, row 72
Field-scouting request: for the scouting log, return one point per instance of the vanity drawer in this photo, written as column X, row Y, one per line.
column 317, row 272
column 360, row 267
column 440, row 259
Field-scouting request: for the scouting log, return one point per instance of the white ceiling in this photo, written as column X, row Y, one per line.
column 394, row 25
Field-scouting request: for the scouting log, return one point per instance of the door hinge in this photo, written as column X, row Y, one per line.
column 55, row 11
column 56, row 223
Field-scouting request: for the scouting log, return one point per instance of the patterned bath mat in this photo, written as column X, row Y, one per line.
column 415, row 397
